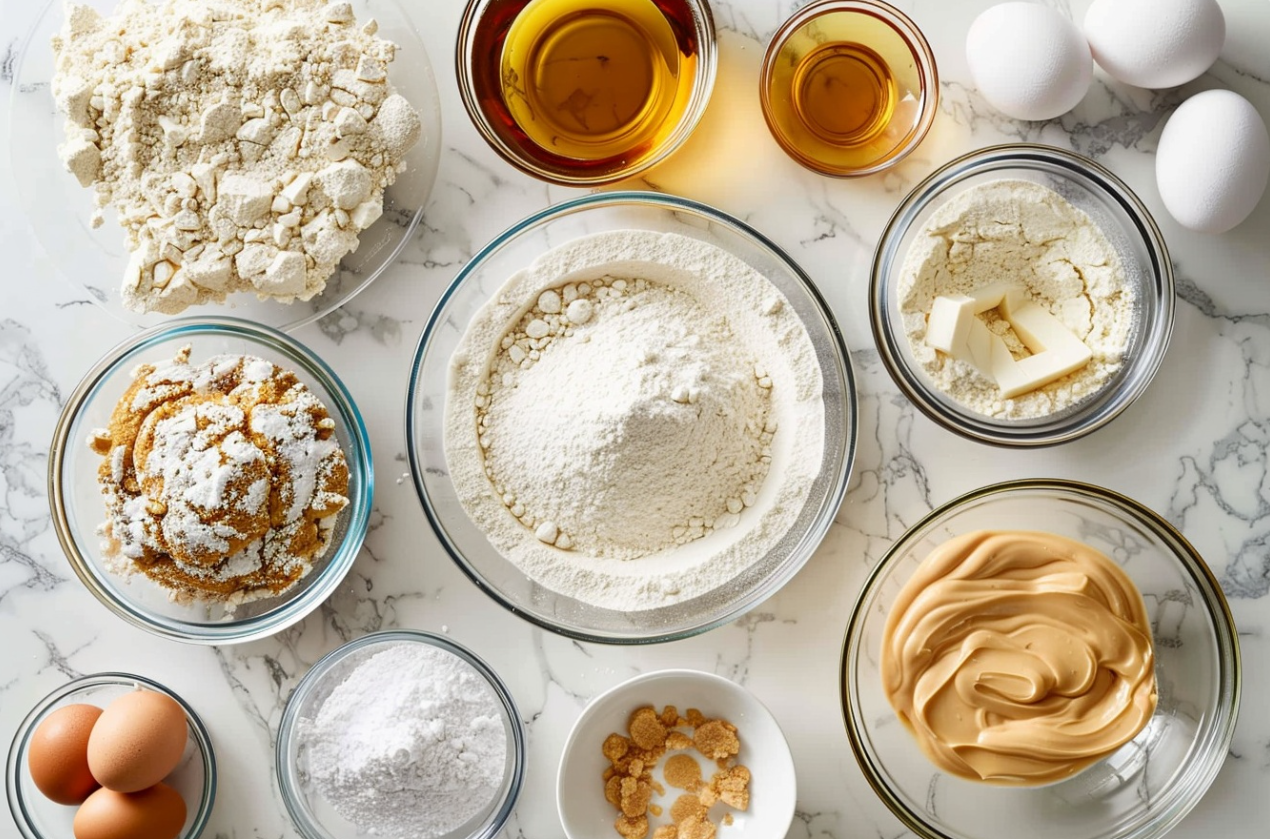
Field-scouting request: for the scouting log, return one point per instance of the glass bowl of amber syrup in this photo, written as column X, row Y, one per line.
column 849, row 87
column 585, row 92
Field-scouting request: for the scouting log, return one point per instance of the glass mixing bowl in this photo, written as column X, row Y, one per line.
column 313, row 816
column 482, row 33
column 39, row 818
column 1139, row 791
column 77, row 502
column 59, row 209
column 894, row 42
column 1122, row 218
column 474, row 287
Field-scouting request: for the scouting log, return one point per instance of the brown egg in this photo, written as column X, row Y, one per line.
column 58, row 754
column 138, row 740
column 154, row 813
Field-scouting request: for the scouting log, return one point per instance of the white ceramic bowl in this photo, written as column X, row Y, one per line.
column 773, row 791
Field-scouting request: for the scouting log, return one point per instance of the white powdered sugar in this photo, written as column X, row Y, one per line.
column 1024, row 234
column 409, row 745
column 635, row 418
column 244, row 143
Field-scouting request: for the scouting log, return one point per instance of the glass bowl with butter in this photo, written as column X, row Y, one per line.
column 1040, row 671
column 1021, row 296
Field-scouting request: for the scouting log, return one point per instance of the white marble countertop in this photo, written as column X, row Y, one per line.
column 1195, row 447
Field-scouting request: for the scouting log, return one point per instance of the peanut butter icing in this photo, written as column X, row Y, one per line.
column 1019, row 658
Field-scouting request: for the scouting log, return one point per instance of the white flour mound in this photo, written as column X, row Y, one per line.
column 244, row 143
column 1015, row 231
column 634, row 419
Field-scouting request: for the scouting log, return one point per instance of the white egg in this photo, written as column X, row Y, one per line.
column 1213, row 161
column 1155, row 43
column 1028, row 60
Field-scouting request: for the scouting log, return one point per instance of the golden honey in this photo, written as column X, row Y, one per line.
column 588, row 85
column 846, row 90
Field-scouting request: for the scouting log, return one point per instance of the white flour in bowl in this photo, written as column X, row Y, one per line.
column 1022, row 233
column 635, row 418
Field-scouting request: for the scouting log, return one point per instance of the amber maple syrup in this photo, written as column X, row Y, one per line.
column 842, row 90
column 589, row 84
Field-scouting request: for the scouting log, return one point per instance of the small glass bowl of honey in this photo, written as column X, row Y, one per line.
column 585, row 92
column 849, row 87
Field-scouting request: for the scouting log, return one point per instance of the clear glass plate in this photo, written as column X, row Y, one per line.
column 60, row 210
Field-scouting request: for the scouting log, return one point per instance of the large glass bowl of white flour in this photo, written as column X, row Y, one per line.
column 631, row 418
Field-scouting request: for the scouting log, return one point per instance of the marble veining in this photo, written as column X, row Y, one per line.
column 1195, row 447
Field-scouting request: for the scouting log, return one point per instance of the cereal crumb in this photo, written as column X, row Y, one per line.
column 677, row 740
column 636, row 828
column 716, row 739
column 683, row 771
column 733, row 786
column 697, row 826
column 629, row 785
column 646, row 728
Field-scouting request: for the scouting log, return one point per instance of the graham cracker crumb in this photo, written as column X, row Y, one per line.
column 629, row 785
column 646, row 729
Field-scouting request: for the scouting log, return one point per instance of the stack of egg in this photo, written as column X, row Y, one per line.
column 1213, row 161
column 112, row 764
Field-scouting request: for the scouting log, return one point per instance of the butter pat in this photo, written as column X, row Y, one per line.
column 953, row 328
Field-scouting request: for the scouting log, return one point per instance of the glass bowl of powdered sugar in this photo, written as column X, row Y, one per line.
column 631, row 418
column 1022, row 295
column 210, row 481
column 400, row 735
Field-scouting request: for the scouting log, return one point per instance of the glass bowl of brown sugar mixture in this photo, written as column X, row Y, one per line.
column 210, row 480
column 997, row 668
column 671, row 447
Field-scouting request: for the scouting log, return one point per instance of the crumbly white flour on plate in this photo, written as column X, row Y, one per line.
column 244, row 143
column 1020, row 232
column 635, row 418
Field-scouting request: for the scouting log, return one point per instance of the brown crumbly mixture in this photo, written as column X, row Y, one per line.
column 153, row 528
column 629, row 785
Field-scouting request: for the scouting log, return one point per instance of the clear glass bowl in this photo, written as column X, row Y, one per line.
column 1122, row 218
column 472, row 289
column 317, row 819
column 93, row 261
column 38, row 818
column 1141, row 790
column 482, row 31
column 78, row 509
column 891, row 35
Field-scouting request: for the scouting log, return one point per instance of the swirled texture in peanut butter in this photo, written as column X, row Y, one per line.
column 1019, row 658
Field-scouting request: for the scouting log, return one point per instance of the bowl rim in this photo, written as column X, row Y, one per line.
column 313, row 678
column 1229, row 658
column 699, row 100
column 909, row 32
column 714, row 679
column 983, row 429
column 26, row 728
column 430, row 114
column 833, row 500
column 360, row 460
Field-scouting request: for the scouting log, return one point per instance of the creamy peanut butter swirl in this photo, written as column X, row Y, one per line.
column 1019, row 658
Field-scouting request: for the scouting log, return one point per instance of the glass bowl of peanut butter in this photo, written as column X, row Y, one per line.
column 1044, row 658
